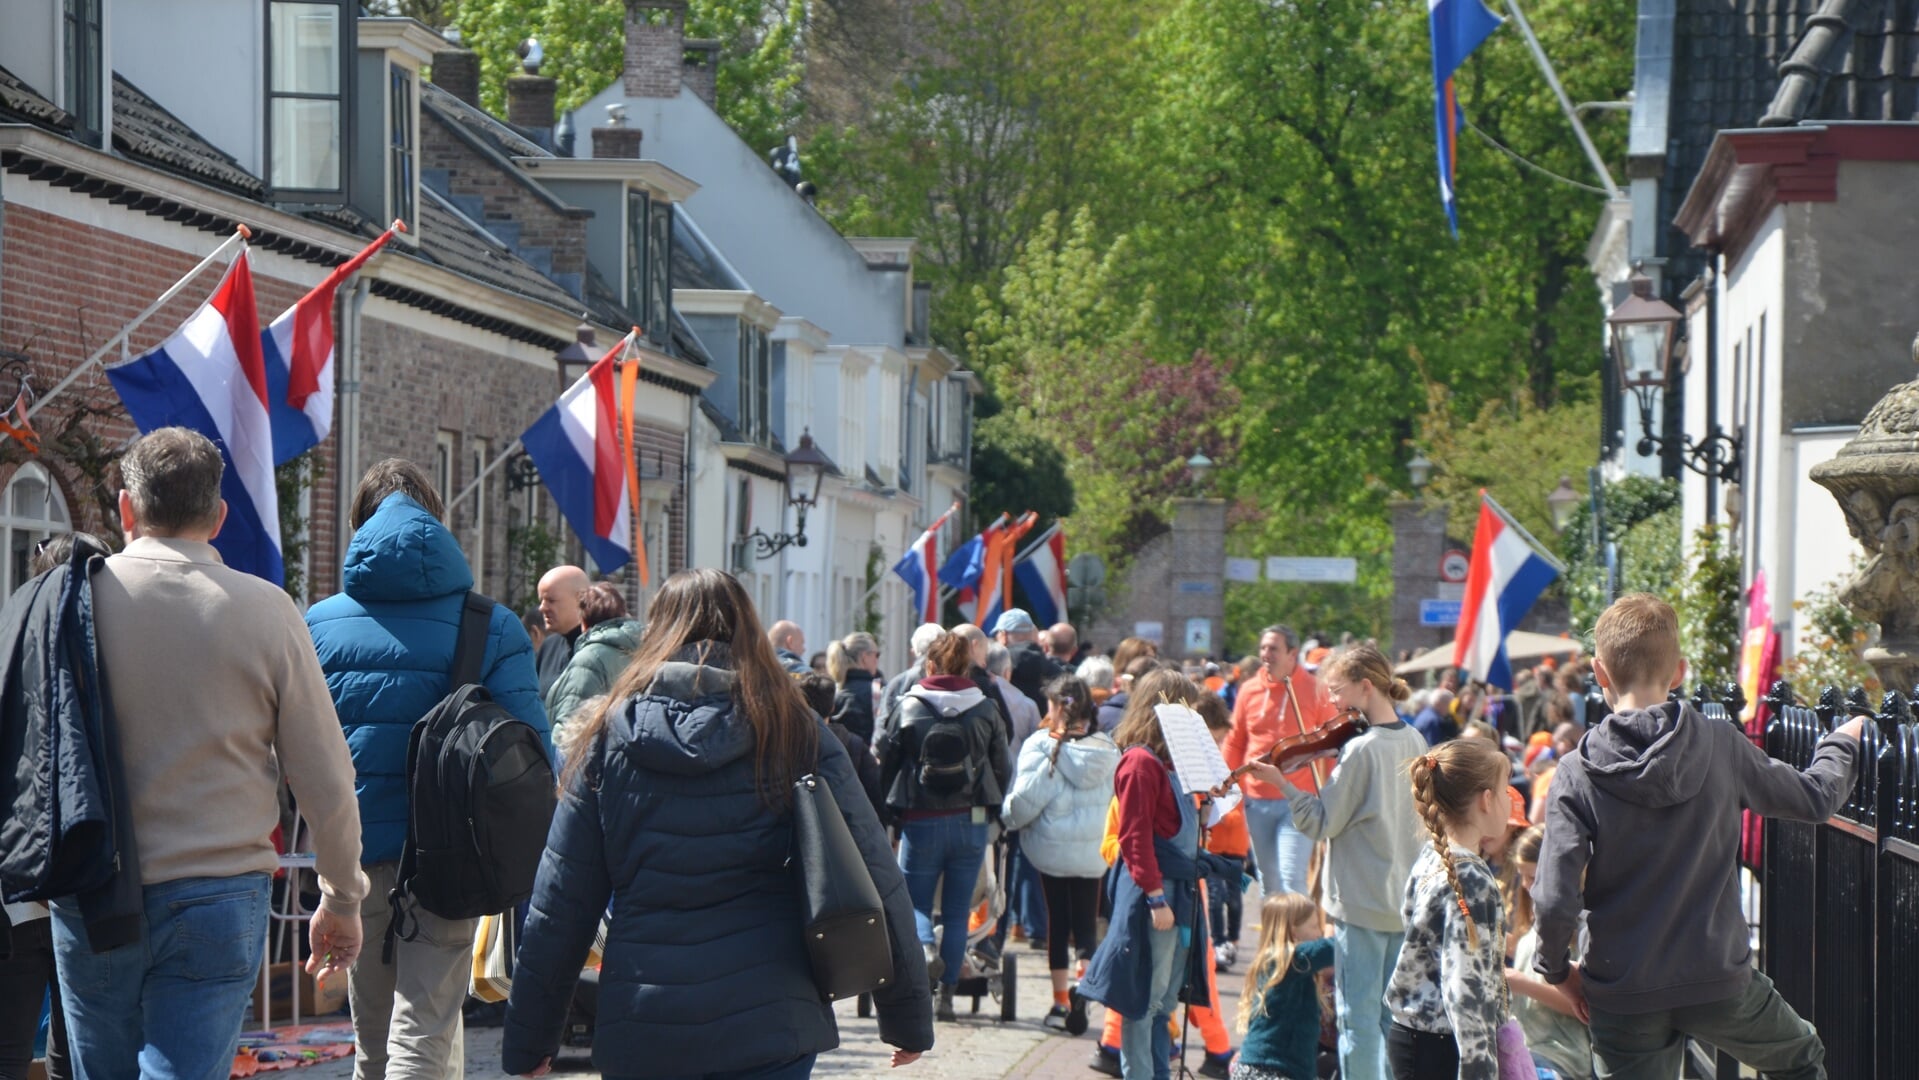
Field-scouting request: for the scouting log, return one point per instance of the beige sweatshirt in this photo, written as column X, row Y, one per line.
column 214, row 682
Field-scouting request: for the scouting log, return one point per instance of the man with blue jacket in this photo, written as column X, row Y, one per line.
column 386, row 644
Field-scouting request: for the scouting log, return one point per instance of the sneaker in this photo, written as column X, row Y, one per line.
column 935, row 966
column 1036, row 944
column 943, row 1004
column 1075, row 1011
column 1222, row 956
column 1217, row 1066
column 1055, row 1019
column 1105, row 1061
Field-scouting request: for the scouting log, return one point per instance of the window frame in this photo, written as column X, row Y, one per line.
column 638, row 235
column 446, row 452
column 345, row 19
column 403, row 145
column 82, row 68
column 37, row 528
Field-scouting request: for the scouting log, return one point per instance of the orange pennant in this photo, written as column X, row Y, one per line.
column 628, row 405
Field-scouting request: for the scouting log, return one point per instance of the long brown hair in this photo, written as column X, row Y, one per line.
column 1445, row 782
column 1076, row 716
column 706, row 606
column 1139, row 725
column 1129, row 650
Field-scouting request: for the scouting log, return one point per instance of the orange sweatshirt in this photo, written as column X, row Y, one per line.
column 1264, row 714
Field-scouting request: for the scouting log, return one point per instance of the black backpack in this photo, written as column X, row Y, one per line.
column 948, row 765
column 480, row 794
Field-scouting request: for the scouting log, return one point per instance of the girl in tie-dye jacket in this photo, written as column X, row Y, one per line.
column 1448, row 993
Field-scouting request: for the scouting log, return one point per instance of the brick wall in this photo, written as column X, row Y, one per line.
column 506, row 198
column 67, row 288
column 655, row 53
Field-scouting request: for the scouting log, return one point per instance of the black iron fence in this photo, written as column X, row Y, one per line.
column 1839, row 901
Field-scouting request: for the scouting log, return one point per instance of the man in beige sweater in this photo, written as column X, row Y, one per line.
column 214, row 685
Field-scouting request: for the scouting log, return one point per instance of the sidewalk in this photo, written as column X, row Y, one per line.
column 978, row 1047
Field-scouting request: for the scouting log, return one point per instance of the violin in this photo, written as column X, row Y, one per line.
column 1297, row 751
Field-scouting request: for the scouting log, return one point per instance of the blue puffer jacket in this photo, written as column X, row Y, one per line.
column 386, row 645
column 704, row 969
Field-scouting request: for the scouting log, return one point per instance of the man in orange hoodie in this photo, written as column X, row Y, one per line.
column 1279, row 699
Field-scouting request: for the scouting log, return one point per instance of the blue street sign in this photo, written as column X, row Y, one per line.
column 1439, row 612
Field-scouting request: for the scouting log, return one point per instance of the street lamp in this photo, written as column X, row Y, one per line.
column 1562, row 502
column 806, row 469
column 1199, row 465
column 581, row 354
column 1420, row 469
column 1644, row 329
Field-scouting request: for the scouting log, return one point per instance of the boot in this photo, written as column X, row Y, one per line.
column 943, row 1004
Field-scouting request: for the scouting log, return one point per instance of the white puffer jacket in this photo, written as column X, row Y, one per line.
column 1060, row 809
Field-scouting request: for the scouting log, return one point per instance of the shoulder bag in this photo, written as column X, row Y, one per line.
column 846, row 939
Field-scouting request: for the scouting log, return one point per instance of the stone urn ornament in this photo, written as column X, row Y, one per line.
column 1875, row 477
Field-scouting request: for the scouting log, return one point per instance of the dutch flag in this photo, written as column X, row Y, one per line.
column 1508, row 573
column 919, row 569
column 1042, row 577
column 576, row 446
column 210, row 376
column 298, row 352
column 1458, row 27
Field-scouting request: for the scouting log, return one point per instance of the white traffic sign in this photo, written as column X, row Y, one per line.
column 1308, row 568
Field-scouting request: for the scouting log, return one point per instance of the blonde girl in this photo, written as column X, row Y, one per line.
column 1448, row 993
column 1279, row 1010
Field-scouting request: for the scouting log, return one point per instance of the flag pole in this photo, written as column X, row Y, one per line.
column 474, row 484
column 1565, row 103
column 241, row 234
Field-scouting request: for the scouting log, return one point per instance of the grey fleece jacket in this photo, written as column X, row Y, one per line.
column 1646, row 812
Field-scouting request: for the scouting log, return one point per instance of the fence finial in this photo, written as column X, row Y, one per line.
column 1781, row 695
column 1735, row 697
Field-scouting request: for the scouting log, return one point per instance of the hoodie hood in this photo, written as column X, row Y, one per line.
column 948, row 702
column 685, row 723
column 1649, row 757
column 403, row 553
column 1089, row 762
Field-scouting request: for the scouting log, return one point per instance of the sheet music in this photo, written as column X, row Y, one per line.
column 1196, row 757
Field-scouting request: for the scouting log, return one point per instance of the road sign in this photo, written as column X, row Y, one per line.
column 1242, row 570
column 1152, row 631
column 1307, row 568
column 1439, row 612
column 1199, row 636
column 1455, row 565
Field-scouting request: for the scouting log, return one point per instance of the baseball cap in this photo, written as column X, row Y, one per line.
column 1014, row 621
column 1518, row 818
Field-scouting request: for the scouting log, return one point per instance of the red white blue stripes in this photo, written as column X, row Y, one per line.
column 576, row 446
column 1042, row 577
column 298, row 352
column 210, row 376
column 1507, row 574
column 919, row 568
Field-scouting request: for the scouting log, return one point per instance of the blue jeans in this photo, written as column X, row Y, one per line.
column 168, row 1006
column 1026, row 896
column 952, row 847
column 1363, row 962
column 1282, row 852
column 1145, row 1042
column 797, row 1069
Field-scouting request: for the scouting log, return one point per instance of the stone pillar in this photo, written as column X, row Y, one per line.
column 1419, row 542
column 1195, row 598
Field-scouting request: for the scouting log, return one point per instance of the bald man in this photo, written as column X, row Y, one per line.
column 1062, row 643
column 789, row 641
column 560, row 592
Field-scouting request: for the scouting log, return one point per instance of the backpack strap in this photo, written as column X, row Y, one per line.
column 469, row 652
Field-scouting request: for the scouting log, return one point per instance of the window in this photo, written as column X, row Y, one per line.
column 443, row 451
column 478, row 454
column 649, row 246
column 31, row 511
column 756, row 379
column 306, row 80
column 80, row 53
column 400, row 139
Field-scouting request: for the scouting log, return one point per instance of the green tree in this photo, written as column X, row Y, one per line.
column 1708, row 606
column 1016, row 469
column 584, row 42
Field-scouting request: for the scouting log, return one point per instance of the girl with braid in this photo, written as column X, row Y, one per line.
column 1448, row 994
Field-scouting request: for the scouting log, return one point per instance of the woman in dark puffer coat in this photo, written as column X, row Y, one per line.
column 675, row 809
column 853, row 662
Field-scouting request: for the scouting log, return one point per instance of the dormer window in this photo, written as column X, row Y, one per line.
column 306, row 99
column 80, row 55
column 649, row 247
column 401, row 176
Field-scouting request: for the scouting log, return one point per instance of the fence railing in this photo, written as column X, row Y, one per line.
column 1839, row 901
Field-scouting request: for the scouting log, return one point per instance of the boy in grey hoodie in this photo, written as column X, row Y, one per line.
column 1642, row 831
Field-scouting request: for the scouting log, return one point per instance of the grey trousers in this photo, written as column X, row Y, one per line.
column 407, row 1019
column 1756, row 1026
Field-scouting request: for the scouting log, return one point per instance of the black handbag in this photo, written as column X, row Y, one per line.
column 846, row 938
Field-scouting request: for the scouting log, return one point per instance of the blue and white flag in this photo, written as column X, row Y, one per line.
column 210, row 376
column 1459, row 26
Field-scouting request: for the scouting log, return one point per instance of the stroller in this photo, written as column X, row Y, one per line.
column 986, row 971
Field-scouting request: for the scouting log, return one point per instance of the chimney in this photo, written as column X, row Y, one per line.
column 700, row 63
column 457, row 71
column 655, row 33
column 616, row 140
column 530, row 96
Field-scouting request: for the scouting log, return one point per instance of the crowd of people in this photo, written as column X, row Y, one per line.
column 1462, row 882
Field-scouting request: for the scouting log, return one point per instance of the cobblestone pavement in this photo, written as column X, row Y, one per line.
column 977, row 1047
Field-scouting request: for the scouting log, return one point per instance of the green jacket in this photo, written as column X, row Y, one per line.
column 598, row 658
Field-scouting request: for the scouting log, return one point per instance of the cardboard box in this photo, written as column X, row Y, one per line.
column 286, row 979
